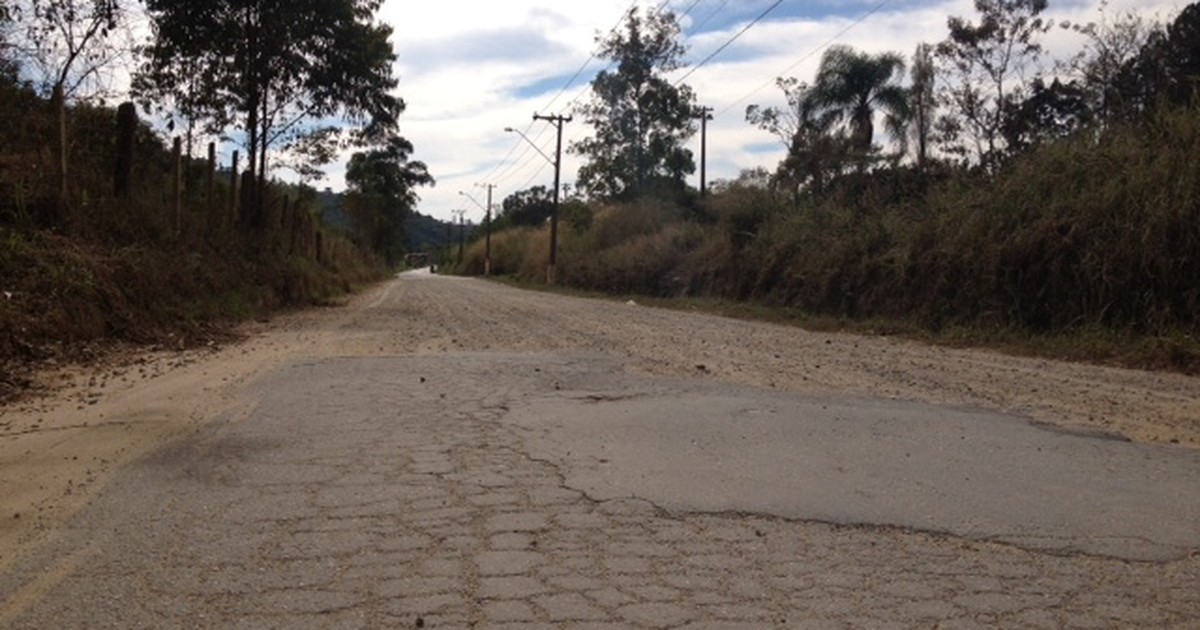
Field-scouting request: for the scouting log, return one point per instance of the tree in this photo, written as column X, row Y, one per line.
column 799, row 116
column 922, row 102
column 814, row 154
column 277, row 67
column 985, row 67
column 1050, row 112
column 68, row 45
column 1111, row 44
column 641, row 120
column 1166, row 70
column 851, row 86
column 381, row 193
column 530, row 207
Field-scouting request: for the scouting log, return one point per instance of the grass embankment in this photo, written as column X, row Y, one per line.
column 171, row 257
column 64, row 299
column 1087, row 249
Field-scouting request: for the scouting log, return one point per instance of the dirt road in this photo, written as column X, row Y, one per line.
column 360, row 466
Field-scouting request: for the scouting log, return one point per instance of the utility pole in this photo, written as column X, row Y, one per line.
column 557, row 121
column 487, row 224
column 705, row 115
column 487, row 233
column 462, row 228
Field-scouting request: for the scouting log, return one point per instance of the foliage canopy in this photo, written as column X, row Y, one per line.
column 277, row 69
column 641, row 119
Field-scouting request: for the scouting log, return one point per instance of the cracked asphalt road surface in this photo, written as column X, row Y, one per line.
column 448, row 453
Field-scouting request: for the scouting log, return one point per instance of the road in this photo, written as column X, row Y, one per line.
column 452, row 453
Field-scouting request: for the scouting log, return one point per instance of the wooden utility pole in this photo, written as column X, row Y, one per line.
column 177, row 184
column 487, row 233
column 705, row 115
column 462, row 229
column 557, row 121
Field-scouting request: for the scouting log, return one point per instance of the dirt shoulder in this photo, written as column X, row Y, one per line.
column 56, row 451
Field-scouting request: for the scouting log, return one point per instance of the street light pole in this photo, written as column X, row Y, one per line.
column 557, row 121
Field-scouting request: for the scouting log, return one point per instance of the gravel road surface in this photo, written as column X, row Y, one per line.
column 451, row 453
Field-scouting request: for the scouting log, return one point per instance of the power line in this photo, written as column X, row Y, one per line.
column 499, row 171
column 730, row 41
column 505, row 168
column 710, row 16
column 660, row 8
column 689, row 9
column 809, row 55
column 591, row 57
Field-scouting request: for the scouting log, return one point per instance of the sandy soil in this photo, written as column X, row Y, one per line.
column 56, row 451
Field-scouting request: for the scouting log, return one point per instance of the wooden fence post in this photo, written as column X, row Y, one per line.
column 126, row 127
column 233, row 191
column 214, row 220
column 177, row 184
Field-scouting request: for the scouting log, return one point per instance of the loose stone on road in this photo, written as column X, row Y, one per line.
column 454, row 454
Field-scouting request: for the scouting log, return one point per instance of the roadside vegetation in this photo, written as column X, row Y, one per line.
column 117, row 225
column 976, row 191
column 949, row 198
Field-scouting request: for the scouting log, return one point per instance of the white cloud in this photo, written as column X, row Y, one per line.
column 467, row 70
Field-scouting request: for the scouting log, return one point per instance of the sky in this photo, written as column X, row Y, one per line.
column 469, row 69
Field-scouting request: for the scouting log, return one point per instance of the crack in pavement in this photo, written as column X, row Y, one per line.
column 369, row 467
column 356, row 495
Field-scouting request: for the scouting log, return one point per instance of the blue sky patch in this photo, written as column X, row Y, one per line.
column 551, row 84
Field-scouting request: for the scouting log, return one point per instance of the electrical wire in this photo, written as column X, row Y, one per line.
column 500, row 170
column 710, row 16
column 525, row 158
column 688, row 11
column 730, row 41
column 809, row 55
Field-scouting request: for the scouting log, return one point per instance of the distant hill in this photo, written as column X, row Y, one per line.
column 422, row 233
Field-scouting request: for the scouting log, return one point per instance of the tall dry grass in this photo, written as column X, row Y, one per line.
column 1098, row 232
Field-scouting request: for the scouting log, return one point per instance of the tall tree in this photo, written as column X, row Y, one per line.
column 1050, row 112
column 1111, row 43
column 529, row 207
column 814, row 154
column 641, row 120
column 922, row 102
column 381, row 192
column 851, row 86
column 277, row 67
column 987, row 66
column 70, row 44
column 798, row 116
column 1165, row 70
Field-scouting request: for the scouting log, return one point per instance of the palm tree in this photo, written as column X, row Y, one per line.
column 852, row 85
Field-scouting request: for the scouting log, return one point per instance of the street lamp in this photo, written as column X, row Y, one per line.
column 557, row 121
column 535, row 147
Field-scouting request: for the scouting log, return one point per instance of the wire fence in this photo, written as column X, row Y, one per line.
column 74, row 174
